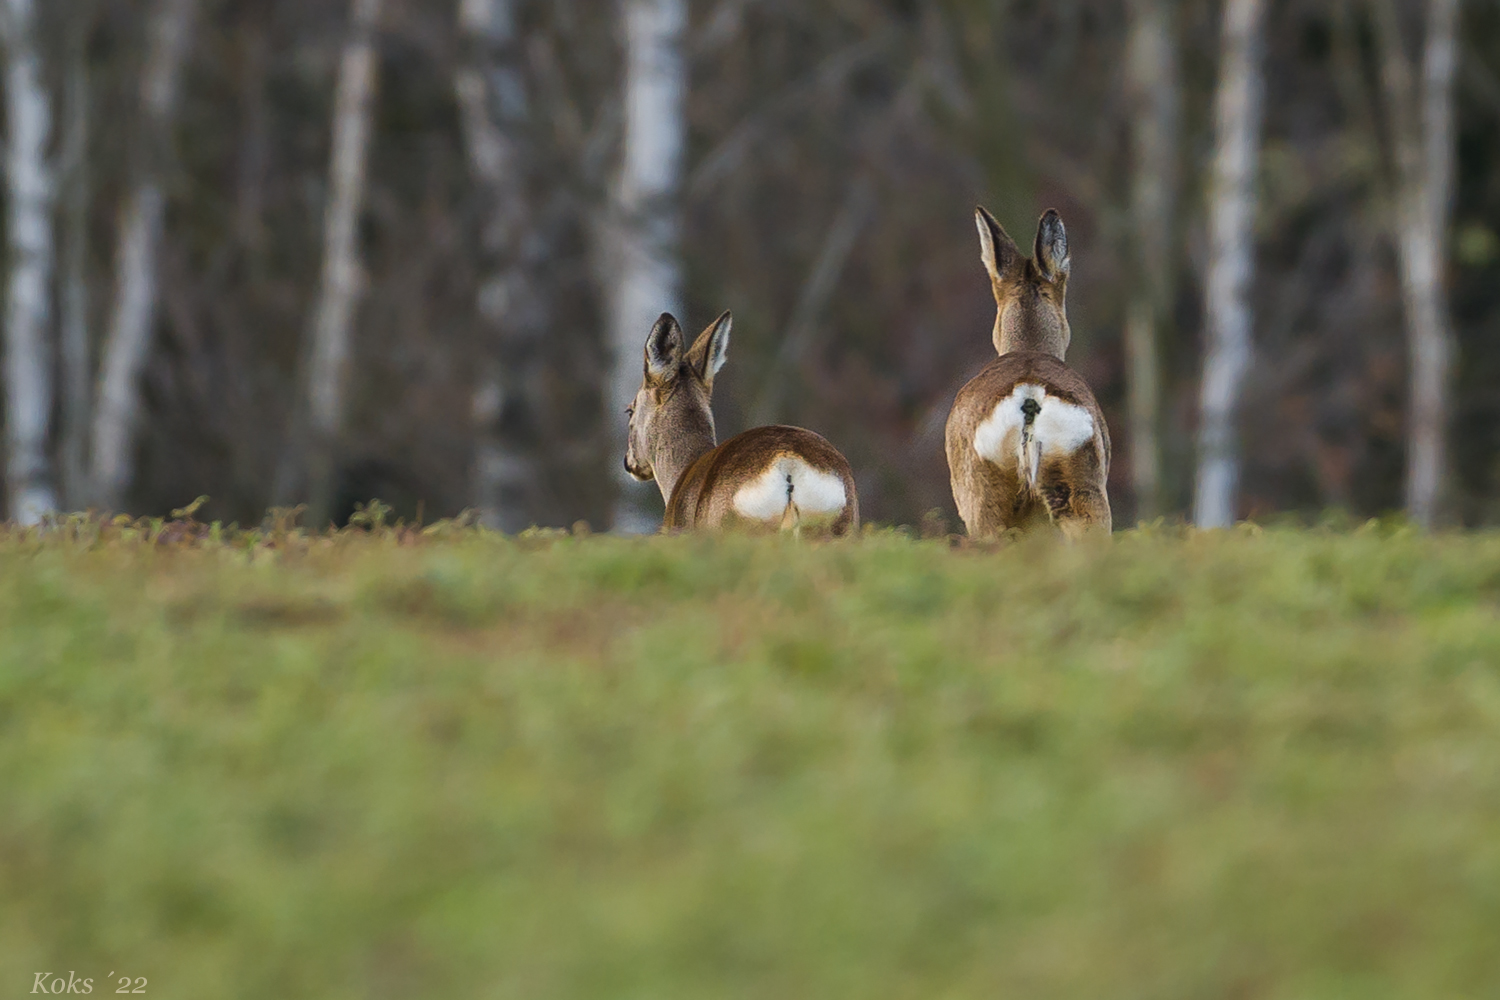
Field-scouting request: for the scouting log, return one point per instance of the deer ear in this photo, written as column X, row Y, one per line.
column 711, row 349
column 664, row 348
column 998, row 251
column 1052, row 247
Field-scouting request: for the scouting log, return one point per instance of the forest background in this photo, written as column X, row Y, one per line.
column 285, row 251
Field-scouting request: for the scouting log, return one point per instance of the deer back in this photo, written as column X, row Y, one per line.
column 776, row 477
column 1027, row 442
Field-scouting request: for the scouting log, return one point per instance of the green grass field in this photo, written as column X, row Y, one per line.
column 1235, row 765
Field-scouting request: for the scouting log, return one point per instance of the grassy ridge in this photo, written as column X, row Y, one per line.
column 1179, row 766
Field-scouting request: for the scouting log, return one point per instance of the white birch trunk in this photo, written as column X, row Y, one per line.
column 133, row 316
column 1422, row 129
column 28, row 348
column 645, row 270
column 494, row 108
column 1155, row 100
column 342, row 280
column 1238, row 112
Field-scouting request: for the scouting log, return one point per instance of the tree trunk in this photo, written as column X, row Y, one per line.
column 495, row 111
column 1155, row 102
column 1422, row 134
column 645, row 271
column 133, row 316
column 313, row 445
column 1238, row 111
column 254, row 141
column 28, row 349
column 76, row 367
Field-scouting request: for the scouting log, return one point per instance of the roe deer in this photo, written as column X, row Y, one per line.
column 781, row 478
column 1026, row 439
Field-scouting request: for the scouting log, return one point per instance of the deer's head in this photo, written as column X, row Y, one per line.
column 1030, row 292
column 670, row 419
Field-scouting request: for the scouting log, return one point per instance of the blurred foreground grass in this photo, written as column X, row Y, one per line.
column 1180, row 766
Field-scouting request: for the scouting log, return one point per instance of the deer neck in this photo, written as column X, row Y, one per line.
column 1018, row 328
column 684, row 434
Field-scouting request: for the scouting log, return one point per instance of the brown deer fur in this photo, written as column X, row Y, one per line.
column 1026, row 439
column 772, row 478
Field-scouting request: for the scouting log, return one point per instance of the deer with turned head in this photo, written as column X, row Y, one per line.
column 771, row 478
column 1026, row 440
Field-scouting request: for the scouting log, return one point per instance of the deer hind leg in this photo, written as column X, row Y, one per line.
column 1075, row 503
column 974, row 495
column 993, row 500
column 1089, row 515
column 1079, row 510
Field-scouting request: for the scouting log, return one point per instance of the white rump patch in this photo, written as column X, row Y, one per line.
column 790, row 480
column 1058, row 430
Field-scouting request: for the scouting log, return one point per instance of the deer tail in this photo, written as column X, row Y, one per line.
column 791, row 518
column 1031, row 449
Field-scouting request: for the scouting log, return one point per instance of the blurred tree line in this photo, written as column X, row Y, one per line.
column 279, row 251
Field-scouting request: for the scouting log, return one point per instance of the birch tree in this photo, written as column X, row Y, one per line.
column 312, row 449
column 1238, row 113
column 1421, row 126
column 1154, row 91
column 133, row 315
column 646, row 273
column 28, row 346
column 494, row 107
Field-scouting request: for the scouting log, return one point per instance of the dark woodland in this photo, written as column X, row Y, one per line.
column 835, row 151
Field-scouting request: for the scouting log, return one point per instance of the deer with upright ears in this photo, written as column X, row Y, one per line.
column 1027, row 442
column 771, row 478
